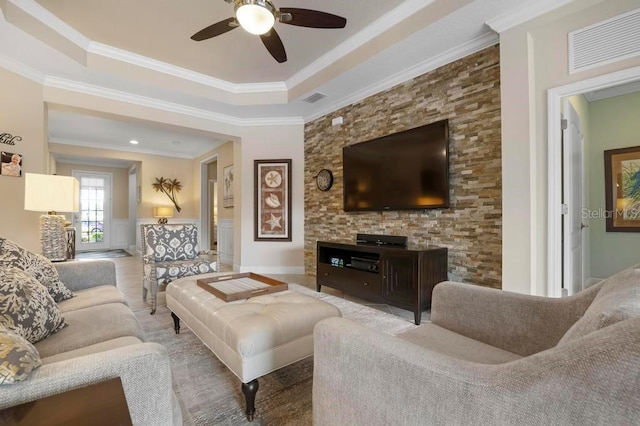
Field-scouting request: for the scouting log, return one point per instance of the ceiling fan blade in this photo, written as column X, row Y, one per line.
column 215, row 30
column 274, row 45
column 312, row 18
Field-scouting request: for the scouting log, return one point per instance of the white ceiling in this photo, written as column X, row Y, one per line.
column 140, row 51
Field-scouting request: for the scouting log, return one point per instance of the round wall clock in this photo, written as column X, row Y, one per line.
column 324, row 180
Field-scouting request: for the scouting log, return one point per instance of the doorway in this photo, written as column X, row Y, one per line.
column 556, row 261
column 134, row 200
column 213, row 214
column 209, row 204
column 93, row 221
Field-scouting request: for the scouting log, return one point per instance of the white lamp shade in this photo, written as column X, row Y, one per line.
column 163, row 211
column 255, row 18
column 44, row 193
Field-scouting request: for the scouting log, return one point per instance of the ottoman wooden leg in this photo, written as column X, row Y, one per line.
column 250, row 390
column 176, row 323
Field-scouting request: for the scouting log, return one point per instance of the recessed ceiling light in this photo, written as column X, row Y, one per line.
column 133, row 142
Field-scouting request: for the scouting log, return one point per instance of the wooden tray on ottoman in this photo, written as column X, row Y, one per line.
column 241, row 286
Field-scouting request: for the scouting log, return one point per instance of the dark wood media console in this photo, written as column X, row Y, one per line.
column 401, row 277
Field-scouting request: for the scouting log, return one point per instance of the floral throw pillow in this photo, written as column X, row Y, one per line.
column 36, row 265
column 26, row 307
column 172, row 242
column 17, row 357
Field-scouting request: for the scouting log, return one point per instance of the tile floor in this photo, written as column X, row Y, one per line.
column 129, row 276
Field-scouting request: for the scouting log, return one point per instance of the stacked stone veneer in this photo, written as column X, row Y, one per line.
column 467, row 92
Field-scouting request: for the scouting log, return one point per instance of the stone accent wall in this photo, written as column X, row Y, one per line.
column 467, row 92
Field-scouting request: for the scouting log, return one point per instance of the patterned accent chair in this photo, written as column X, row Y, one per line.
column 170, row 251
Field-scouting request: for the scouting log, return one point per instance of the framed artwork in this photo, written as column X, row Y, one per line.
column 10, row 164
column 273, row 200
column 622, row 189
column 227, row 193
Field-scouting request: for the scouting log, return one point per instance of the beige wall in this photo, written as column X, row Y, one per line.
column 217, row 159
column 268, row 142
column 22, row 114
column 119, row 185
column 614, row 124
column 152, row 167
column 224, row 154
column 534, row 58
column 260, row 142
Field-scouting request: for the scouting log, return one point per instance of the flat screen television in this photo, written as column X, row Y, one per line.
column 402, row 171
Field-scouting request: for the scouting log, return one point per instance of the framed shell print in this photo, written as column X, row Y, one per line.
column 272, row 200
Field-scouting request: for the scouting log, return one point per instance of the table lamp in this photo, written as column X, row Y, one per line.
column 163, row 213
column 52, row 194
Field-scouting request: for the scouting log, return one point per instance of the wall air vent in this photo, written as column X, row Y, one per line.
column 315, row 97
column 605, row 42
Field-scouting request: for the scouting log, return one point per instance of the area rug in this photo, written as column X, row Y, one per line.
column 210, row 394
column 102, row 254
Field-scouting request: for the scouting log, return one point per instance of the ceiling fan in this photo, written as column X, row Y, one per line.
column 258, row 16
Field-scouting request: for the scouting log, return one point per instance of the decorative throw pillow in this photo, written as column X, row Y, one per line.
column 17, row 357
column 36, row 265
column 172, row 242
column 26, row 307
column 617, row 300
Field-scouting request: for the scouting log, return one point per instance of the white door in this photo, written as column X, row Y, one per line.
column 573, row 226
column 93, row 221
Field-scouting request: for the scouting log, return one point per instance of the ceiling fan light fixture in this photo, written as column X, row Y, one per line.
column 255, row 16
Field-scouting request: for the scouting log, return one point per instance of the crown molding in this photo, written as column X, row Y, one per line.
column 102, row 162
column 272, row 121
column 99, row 145
column 379, row 26
column 21, row 69
column 29, row 73
column 116, row 95
column 40, row 13
column 487, row 39
column 182, row 73
column 526, row 13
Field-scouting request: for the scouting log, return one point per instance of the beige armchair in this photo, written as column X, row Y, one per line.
column 489, row 357
column 170, row 251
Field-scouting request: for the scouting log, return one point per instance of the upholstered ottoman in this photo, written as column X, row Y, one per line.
column 252, row 337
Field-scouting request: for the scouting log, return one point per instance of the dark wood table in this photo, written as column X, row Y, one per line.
column 101, row 404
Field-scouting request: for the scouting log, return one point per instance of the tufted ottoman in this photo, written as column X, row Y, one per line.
column 252, row 337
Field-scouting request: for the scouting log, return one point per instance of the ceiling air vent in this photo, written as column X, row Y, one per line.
column 314, row 97
column 608, row 41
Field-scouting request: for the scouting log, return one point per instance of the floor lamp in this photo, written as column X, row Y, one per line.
column 52, row 194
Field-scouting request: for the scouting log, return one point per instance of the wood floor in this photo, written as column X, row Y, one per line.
column 129, row 276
